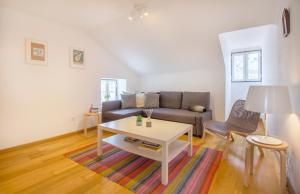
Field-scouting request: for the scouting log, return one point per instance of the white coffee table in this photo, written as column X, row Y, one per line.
column 165, row 133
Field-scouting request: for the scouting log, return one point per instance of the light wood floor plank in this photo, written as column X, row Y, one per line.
column 42, row 168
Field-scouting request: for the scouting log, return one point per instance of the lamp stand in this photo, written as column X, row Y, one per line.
column 266, row 139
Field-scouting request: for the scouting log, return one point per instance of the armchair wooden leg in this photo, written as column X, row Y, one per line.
column 226, row 148
column 231, row 137
column 204, row 136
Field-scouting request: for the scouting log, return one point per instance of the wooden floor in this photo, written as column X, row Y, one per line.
column 42, row 168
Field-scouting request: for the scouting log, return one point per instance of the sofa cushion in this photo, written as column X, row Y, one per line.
column 140, row 100
column 170, row 99
column 195, row 98
column 121, row 113
column 197, row 108
column 177, row 115
column 128, row 101
column 151, row 100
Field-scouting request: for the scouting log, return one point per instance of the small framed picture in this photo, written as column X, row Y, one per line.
column 36, row 52
column 286, row 28
column 77, row 58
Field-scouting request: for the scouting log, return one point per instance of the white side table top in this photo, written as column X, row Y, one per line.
column 282, row 146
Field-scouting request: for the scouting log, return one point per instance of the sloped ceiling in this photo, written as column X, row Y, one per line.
column 177, row 35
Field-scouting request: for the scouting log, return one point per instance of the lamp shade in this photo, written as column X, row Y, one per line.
column 268, row 99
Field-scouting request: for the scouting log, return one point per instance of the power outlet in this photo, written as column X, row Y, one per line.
column 73, row 119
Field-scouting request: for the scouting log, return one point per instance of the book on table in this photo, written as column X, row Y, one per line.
column 131, row 139
column 144, row 144
column 150, row 146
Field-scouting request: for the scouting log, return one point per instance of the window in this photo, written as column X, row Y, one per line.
column 111, row 89
column 246, row 66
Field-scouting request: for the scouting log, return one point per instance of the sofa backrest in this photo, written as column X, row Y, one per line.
column 111, row 105
column 170, row 100
column 195, row 98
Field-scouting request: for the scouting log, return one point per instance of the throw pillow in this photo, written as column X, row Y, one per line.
column 127, row 93
column 151, row 100
column 197, row 108
column 128, row 101
column 140, row 100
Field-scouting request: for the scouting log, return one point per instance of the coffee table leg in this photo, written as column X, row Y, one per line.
column 99, row 141
column 164, row 165
column 190, row 139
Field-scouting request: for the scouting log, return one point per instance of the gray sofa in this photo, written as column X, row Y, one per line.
column 173, row 106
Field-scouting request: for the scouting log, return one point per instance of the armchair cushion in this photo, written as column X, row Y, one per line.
column 216, row 127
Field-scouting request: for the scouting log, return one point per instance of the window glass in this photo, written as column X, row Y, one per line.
column 238, row 67
column 246, row 66
column 111, row 89
column 108, row 89
column 253, row 66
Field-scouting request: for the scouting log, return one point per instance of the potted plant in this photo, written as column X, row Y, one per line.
column 106, row 97
column 139, row 120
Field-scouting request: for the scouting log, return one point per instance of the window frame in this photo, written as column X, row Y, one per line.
column 107, row 88
column 245, row 58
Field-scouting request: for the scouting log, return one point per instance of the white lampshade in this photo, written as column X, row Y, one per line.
column 268, row 99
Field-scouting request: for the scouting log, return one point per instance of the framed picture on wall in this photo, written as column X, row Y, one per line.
column 77, row 58
column 36, row 52
column 286, row 22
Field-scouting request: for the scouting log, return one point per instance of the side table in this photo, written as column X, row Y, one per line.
column 281, row 149
column 97, row 115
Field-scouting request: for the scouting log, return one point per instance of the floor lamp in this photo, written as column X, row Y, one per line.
column 268, row 100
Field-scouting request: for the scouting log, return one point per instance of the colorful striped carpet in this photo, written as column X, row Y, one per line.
column 142, row 175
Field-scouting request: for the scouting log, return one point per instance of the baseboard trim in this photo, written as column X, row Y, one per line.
column 290, row 188
column 44, row 140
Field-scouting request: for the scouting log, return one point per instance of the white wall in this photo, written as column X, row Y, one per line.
column 262, row 38
column 38, row 102
column 288, row 128
column 205, row 80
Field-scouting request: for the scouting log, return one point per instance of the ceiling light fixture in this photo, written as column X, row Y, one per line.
column 138, row 11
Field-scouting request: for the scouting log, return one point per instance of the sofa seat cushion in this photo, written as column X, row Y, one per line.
column 177, row 115
column 122, row 113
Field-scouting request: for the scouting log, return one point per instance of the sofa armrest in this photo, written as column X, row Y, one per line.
column 200, row 120
column 206, row 116
column 111, row 105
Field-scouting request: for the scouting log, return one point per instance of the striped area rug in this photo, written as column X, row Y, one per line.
column 142, row 175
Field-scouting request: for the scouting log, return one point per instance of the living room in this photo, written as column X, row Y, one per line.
column 59, row 58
